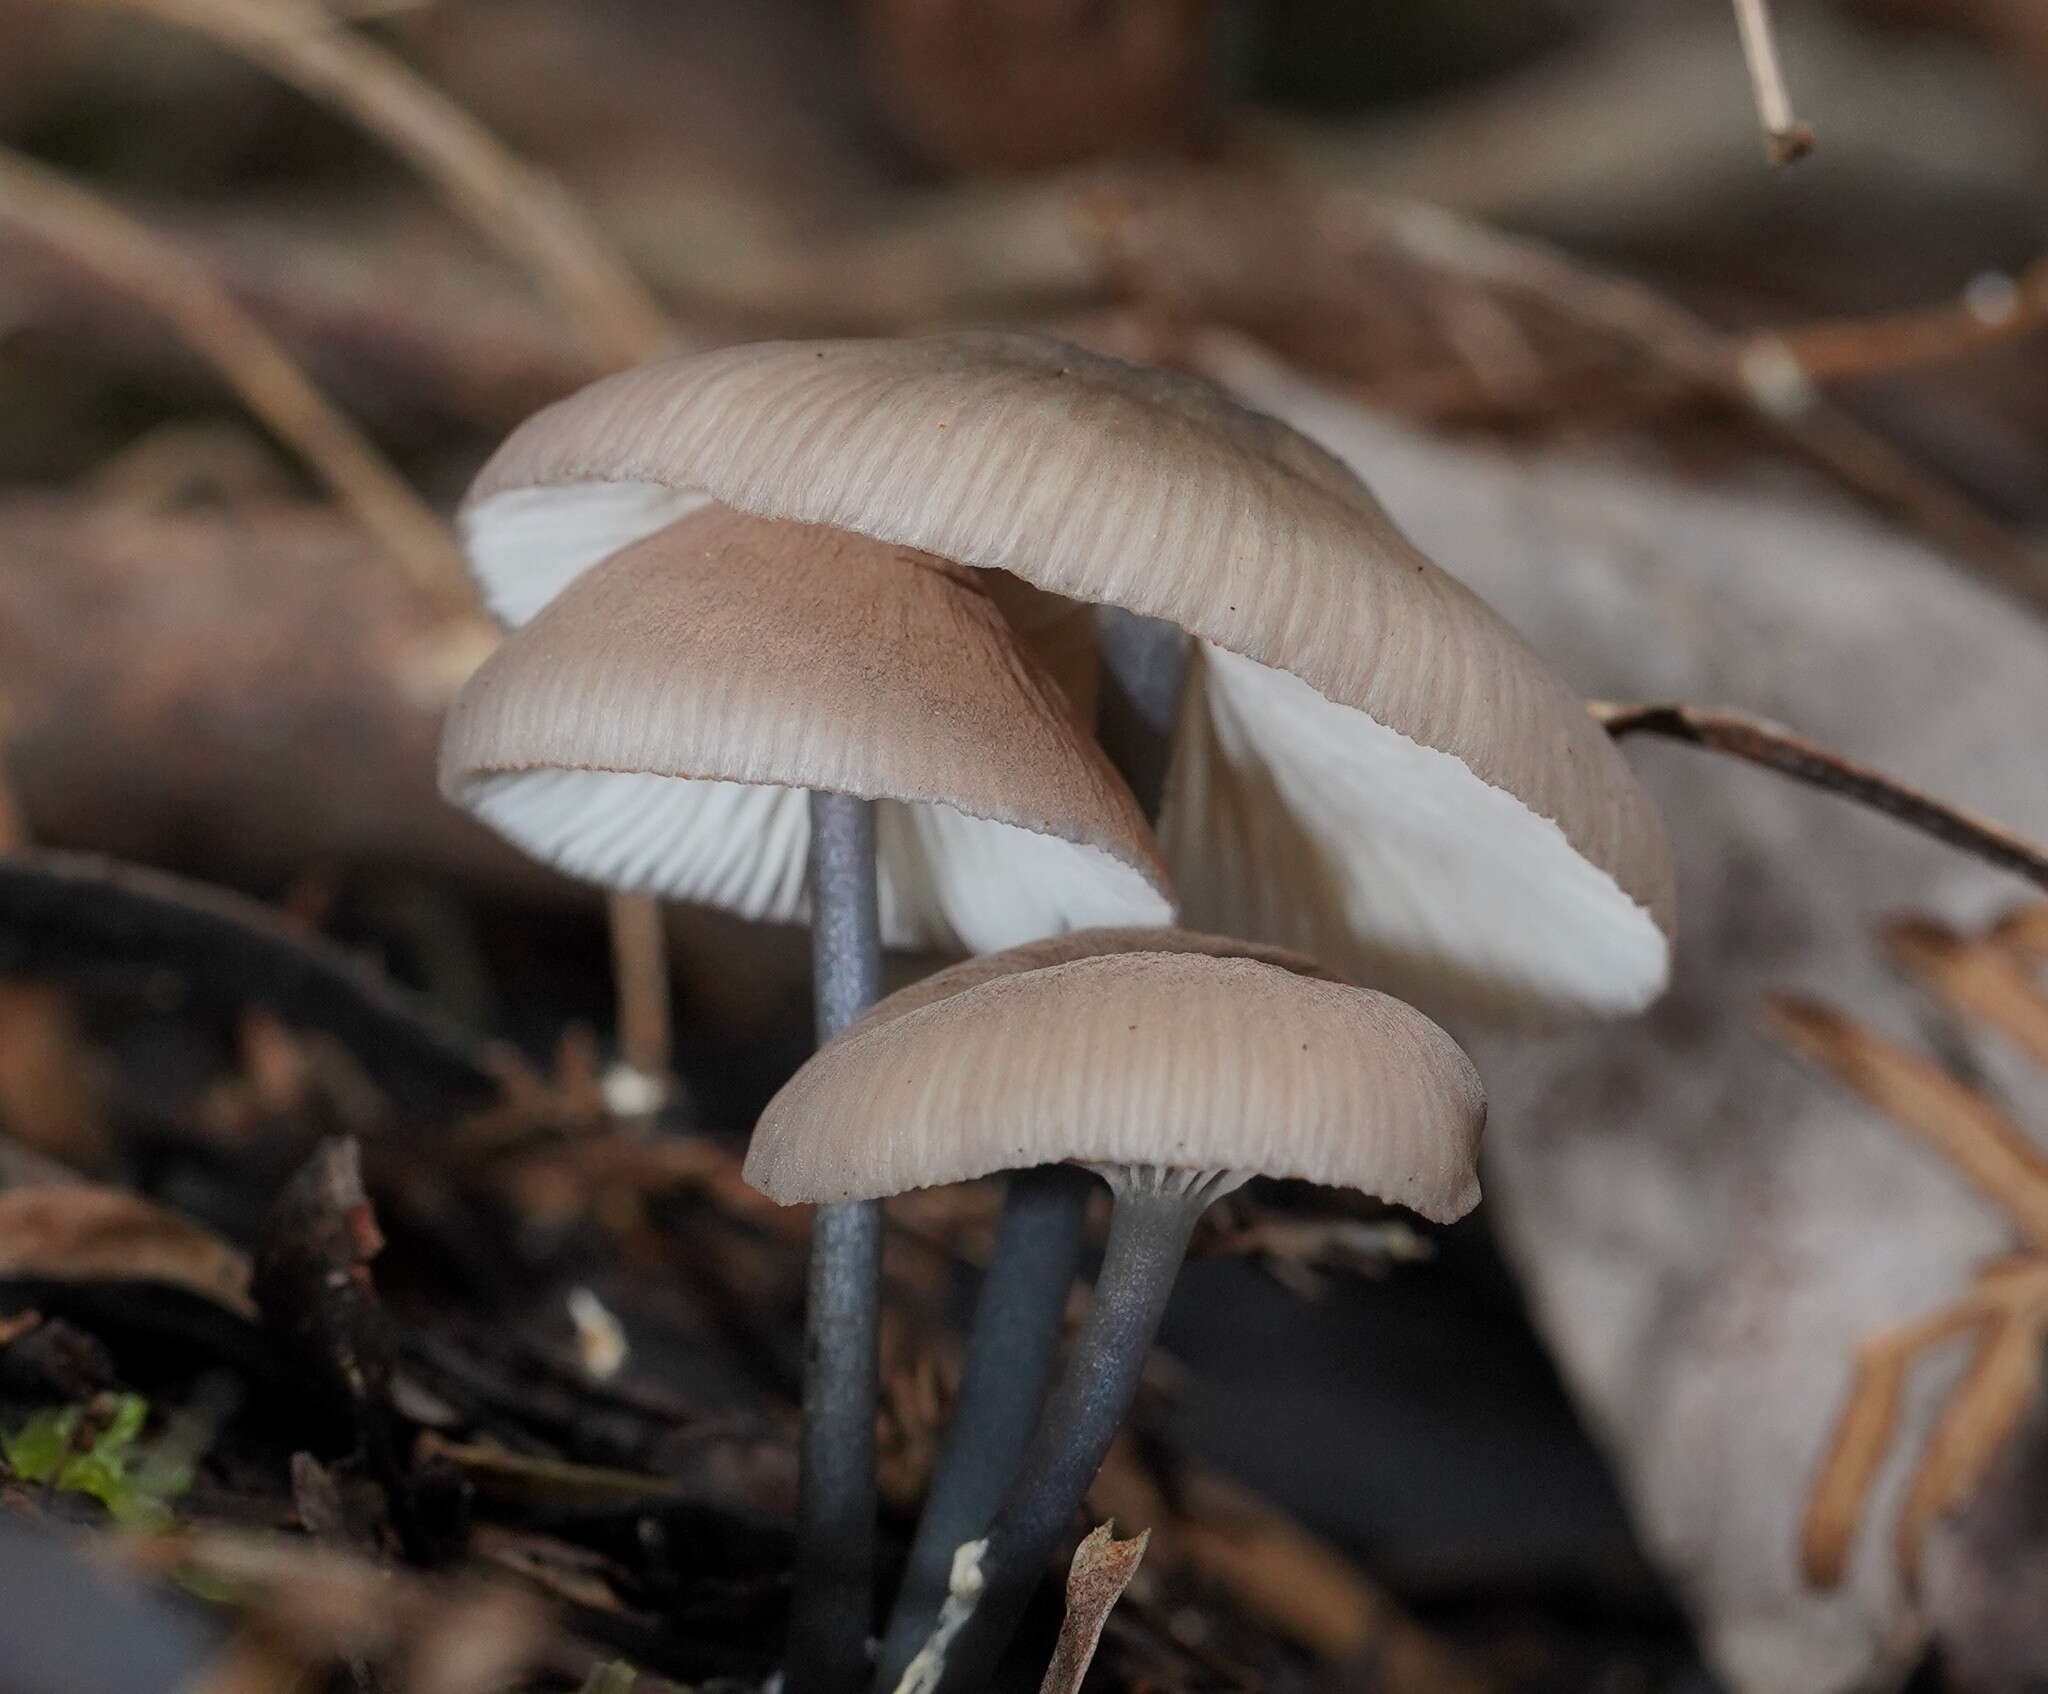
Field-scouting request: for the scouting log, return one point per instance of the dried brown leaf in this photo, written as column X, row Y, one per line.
column 1978, row 977
column 1959, row 1123
column 1102, row 1569
column 86, row 1234
column 1979, row 1416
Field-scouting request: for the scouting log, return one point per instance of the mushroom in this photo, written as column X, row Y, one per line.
column 654, row 728
column 1013, row 1345
column 1370, row 765
column 1174, row 1066
column 1365, row 761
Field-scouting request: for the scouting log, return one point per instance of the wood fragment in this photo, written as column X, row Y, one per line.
column 1759, row 742
column 316, row 1295
column 1102, row 1569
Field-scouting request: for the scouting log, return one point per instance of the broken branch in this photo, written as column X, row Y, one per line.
column 1762, row 743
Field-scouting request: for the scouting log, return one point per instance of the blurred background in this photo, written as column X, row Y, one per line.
column 275, row 277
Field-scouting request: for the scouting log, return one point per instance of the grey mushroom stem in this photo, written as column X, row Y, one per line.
column 1144, row 668
column 832, row 1606
column 1014, row 1342
column 1011, row 1353
column 1155, row 1212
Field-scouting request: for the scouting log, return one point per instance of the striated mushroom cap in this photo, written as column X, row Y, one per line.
column 655, row 728
column 1371, row 764
column 1191, row 1058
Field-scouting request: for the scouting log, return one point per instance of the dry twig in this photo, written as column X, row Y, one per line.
column 1786, row 137
column 1993, row 309
column 1766, row 744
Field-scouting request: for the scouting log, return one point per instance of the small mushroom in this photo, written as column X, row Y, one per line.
column 655, row 727
column 1369, row 764
column 1176, row 1068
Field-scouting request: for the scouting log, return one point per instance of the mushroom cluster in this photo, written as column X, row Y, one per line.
column 814, row 630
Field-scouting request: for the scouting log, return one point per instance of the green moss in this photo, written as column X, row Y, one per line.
column 96, row 1450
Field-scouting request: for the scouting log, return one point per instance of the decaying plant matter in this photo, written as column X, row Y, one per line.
column 2005, row 1313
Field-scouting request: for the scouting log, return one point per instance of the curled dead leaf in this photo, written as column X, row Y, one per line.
column 78, row 1233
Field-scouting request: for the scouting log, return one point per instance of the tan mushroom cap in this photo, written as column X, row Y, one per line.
column 654, row 729
column 1375, row 768
column 1078, row 944
column 1181, row 1059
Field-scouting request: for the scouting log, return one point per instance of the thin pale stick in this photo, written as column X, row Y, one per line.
column 87, row 230
column 640, row 983
column 1786, row 137
column 1761, row 743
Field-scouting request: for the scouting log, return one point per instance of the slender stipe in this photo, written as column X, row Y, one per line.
column 1148, row 1236
column 1014, row 1341
column 1011, row 1352
column 833, row 1604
